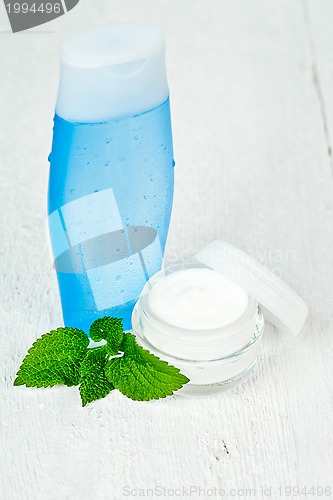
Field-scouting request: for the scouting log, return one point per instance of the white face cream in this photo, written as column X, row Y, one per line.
column 204, row 317
column 197, row 298
column 201, row 322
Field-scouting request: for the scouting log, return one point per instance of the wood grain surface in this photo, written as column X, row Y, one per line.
column 252, row 107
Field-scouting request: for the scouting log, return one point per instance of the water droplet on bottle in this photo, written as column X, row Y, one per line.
column 88, row 163
column 145, row 197
column 136, row 137
column 118, row 278
column 173, row 163
column 106, row 164
column 108, row 140
column 96, row 190
column 151, row 179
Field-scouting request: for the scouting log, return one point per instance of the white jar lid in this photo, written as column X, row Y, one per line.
column 111, row 71
column 281, row 306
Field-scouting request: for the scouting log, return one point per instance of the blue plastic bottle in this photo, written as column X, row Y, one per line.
column 111, row 171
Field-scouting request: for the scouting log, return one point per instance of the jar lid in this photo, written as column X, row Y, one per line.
column 281, row 306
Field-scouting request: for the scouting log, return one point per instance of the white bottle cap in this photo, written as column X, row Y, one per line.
column 112, row 71
column 281, row 306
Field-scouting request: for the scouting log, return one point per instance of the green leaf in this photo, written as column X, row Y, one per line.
column 140, row 375
column 109, row 329
column 54, row 359
column 93, row 382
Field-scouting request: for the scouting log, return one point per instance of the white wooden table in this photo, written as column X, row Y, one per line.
column 252, row 105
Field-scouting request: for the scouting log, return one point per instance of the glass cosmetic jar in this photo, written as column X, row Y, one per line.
column 206, row 317
column 213, row 359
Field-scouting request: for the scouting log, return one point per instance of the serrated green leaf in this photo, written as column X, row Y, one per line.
column 109, row 329
column 140, row 375
column 93, row 382
column 54, row 359
column 129, row 344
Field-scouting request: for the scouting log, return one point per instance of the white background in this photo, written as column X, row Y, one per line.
column 252, row 107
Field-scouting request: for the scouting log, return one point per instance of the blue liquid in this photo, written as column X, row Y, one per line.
column 110, row 200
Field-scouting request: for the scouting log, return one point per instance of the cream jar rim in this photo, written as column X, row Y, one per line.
column 213, row 333
column 254, row 339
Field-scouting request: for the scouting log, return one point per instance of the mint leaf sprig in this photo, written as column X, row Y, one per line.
column 63, row 356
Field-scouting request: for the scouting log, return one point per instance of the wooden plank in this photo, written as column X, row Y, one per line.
column 318, row 18
column 252, row 168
